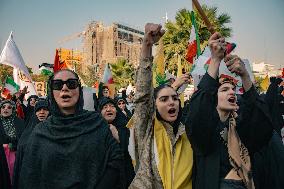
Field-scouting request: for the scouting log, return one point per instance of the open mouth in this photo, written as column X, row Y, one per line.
column 232, row 99
column 172, row 111
column 109, row 114
column 65, row 97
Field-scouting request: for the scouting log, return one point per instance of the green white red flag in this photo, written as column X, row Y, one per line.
column 193, row 48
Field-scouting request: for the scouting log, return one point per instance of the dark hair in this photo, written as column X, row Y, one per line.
column 159, row 117
column 159, row 88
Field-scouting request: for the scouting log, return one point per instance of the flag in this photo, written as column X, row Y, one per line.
column 179, row 73
column 6, row 94
column 193, row 47
column 56, row 65
column 46, row 69
column 107, row 80
column 107, row 77
column 11, row 56
column 265, row 83
column 22, row 80
column 11, row 86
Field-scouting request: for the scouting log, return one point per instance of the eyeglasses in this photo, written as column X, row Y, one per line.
column 58, row 84
column 120, row 103
column 6, row 106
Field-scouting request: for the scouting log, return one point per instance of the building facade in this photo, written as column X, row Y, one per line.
column 106, row 44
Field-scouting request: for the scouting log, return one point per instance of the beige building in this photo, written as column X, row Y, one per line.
column 106, row 44
column 262, row 69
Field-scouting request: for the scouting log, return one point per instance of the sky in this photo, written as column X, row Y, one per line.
column 38, row 25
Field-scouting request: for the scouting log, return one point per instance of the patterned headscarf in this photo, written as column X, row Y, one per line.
column 238, row 154
column 8, row 122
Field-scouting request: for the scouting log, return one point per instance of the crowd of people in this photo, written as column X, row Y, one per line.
column 216, row 141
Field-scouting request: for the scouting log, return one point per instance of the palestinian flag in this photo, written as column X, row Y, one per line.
column 46, row 69
column 193, row 48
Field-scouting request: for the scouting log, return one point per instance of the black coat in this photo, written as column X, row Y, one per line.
column 120, row 123
column 75, row 151
column 21, row 149
column 71, row 153
column 19, row 126
column 273, row 98
column 253, row 126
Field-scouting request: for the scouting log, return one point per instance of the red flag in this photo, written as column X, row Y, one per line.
column 6, row 94
column 56, row 65
column 20, row 111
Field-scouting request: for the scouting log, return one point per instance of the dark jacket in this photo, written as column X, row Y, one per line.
column 275, row 102
column 120, row 123
column 19, row 126
column 202, row 128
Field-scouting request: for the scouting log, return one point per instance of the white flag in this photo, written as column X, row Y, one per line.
column 23, row 81
column 11, row 56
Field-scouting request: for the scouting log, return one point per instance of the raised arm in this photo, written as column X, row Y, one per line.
column 202, row 121
column 254, row 126
column 144, row 100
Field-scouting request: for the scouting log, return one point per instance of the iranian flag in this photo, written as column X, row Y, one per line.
column 193, row 48
column 107, row 78
column 11, row 86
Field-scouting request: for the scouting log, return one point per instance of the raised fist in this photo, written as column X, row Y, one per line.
column 217, row 45
column 153, row 33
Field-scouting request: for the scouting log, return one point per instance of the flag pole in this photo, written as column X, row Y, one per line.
column 204, row 17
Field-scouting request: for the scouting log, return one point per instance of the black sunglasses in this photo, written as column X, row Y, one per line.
column 57, row 84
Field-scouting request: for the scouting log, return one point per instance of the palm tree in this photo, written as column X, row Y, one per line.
column 123, row 73
column 178, row 32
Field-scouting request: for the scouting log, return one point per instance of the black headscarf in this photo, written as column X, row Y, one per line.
column 74, row 151
column 120, row 123
column 29, row 110
column 117, row 99
column 54, row 110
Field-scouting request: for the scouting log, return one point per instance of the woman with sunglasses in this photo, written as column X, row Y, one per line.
column 73, row 148
column 164, row 152
column 11, row 128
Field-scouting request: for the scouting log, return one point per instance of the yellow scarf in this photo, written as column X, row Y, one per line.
column 175, row 170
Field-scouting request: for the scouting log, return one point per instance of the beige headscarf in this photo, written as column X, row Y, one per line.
column 238, row 154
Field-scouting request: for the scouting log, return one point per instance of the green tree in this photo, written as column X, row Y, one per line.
column 4, row 72
column 178, row 33
column 89, row 78
column 123, row 73
column 258, row 81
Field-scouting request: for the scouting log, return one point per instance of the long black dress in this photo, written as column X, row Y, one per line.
column 203, row 128
column 120, row 123
column 75, row 151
